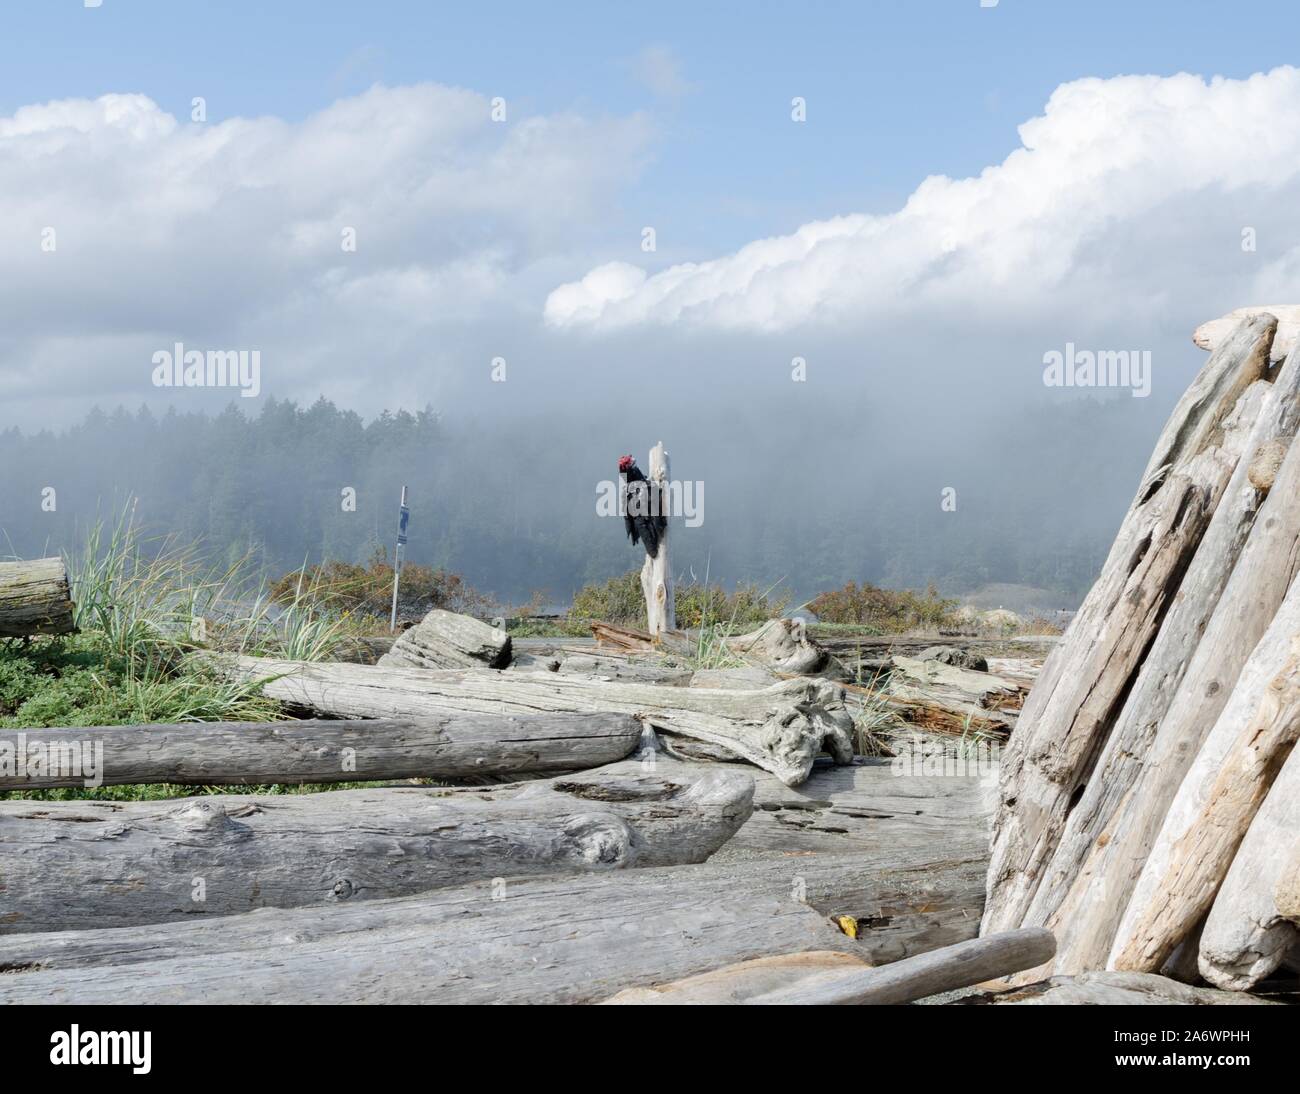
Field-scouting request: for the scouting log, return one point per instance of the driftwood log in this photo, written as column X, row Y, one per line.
column 744, row 980
column 1225, row 601
column 448, row 640
column 1255, row 919
column 534, row 940
column 71, row 865
column 1073, row 705
column 317, row 750
column 958, row 966
column 782, row 645
column 34, row 598
column 1217, row 799
column 780, row 728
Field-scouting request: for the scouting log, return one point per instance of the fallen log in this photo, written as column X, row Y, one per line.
column 630, row 640
column 34, row 598
column 1119, row 989
column 915, row 678
column 71, row 865
column 1072, row 707
column 630, row 668
column 313, row 751
column 742, row 981
column 1217, row 799
column 575, row 939
column 448, row 640
column 1255, row 919
column 1232, row 588
column 781, row 728
column 948, row 969
column 783, row 646
column 875, row 808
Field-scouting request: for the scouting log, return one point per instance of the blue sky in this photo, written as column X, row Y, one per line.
column 1007, row 180
column 896, row 90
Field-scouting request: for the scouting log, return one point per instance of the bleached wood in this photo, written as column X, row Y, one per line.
column 1210, row 335
column 325, row 750
column 657, row 572
column 34, row 598
column 449, row 640
column 742, row 981
column 80, row 864
column 1072, row 707
column 948, row 969
column 1227, row 597
column 1217, row 799
column 575, row 939
column 1255, row 918
column 782, row 645
column 780, row 728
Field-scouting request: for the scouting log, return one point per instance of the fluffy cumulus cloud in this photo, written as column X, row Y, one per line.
column 126, row 228
column 1125, row 193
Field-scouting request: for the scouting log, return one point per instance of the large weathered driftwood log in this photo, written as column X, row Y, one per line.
column 317, row 751
column 914, row 678
column 1224, row 602
column 958, row 966
column 782, row 645
column 448, row 640
column 34, row 598
column 876, row 809
column 555, row 940
column 781, row 728
column 1073, row 705
column 70, row 865
column 1217, row 800
column 1255, row 919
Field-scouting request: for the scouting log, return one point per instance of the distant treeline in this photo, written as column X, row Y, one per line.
column 512, row 506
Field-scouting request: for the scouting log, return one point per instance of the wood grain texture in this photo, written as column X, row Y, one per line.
column 782, row 728
column 77, row 864
column 1080, row 692
column 34, row 598
column 324, row 750
column 570, row 939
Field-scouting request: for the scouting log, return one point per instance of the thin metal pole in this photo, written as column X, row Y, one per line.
column 403, row 513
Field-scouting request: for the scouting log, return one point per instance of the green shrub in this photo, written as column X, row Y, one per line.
column 887, row 610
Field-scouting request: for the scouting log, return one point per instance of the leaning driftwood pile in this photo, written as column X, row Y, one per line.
column 1150, row 796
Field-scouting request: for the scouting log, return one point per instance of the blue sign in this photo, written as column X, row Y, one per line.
column 405, row 515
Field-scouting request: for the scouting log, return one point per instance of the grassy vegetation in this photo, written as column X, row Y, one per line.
column 143, row 610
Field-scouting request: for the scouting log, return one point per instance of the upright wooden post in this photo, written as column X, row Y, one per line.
column 656, row 573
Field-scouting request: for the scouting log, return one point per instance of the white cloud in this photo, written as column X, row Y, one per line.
column 1109, row 164
column 229, row 234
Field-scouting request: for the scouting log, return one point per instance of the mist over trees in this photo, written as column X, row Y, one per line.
column 835, row 494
